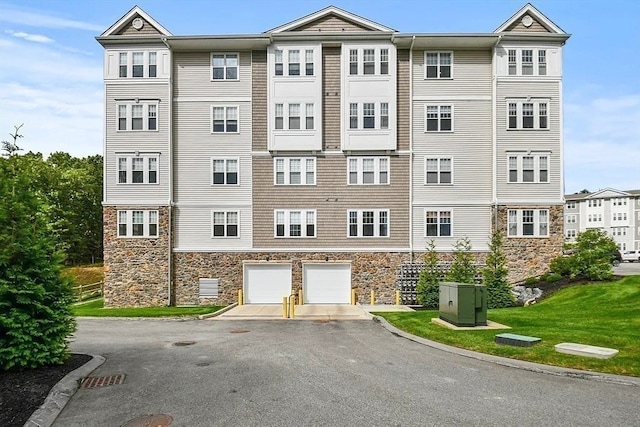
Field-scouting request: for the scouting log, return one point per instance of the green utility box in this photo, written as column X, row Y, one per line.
column 463, row 304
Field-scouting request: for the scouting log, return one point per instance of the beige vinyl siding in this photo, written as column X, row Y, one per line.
column 195, row 145
column 146, row 30
column 332, row 198
column 473, row 222
column 470, row 147
column 404, row 100
column 193, row 229
column 330, row 23
column 259, row 100
column 471, row 75
column 132, row 141
column 192, row 76
column 524, row 140
column 535, row 27
column 331, row 90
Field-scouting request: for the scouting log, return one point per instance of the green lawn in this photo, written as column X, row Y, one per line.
column 95, row 308
column 600, row 314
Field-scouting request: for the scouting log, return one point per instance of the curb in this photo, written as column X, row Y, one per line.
column 217, row 313
column 513, row 363
column 61, row 393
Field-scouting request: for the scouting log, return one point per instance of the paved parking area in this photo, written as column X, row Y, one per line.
column 627, row 269
column 319, row 373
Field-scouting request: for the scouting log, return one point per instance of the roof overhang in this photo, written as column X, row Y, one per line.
column 331, row 10
column 207, row 43
column 446, row 41
column 536, row 37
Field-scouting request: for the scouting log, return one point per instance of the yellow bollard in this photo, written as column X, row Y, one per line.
column 373, row 299
column 397, row 297
column 300, row 300
column 292, row 306
column 353, row 297
column 285, row 311
column 240, row 297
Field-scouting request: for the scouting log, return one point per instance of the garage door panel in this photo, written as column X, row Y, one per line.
column 327, row 284
column 266, row 284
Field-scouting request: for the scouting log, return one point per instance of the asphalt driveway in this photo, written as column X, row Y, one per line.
column 302, row 373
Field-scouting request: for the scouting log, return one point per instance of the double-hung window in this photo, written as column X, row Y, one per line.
column 225, row 171
column 295, row 223
column 299, row 116
column 369, row 61
column 224, row 119
column 294, row 170
column 438, row 118
column 528, row 223
column 527, row 62
column 437, row 223
column 528, row 168
column 438, row 65
column 308, row 62
column 438, row 170
column 224, row 66
column 294, row 62
column 527, row 114
column 368, row 223
column 123, row 64
column 137, row 169
column 138, row 223
column 153, row 64
column 369, row 115
column 571, row 219
column 137, row 116
column 224, row 224
column 368, row 170
column 138, row 64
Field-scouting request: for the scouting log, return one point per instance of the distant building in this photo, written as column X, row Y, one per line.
column 615, row 212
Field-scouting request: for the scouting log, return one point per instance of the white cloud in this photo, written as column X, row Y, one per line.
column 30, row 37
column 602, row 143
column 36, row 19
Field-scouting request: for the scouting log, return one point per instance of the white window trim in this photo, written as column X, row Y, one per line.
column 145, row 116
column 536, row 224
column 287, row 170
column 535, row 63
column 145, row 63
column 536, row 168
column 377, row 116
column 439, row 211
column 376, row 224
column 439, row 118
column 287, row 223
column 303, row 116
column 439, row 65
column 226, row 160
column 225, row 79
column 145, row 171
column 302, row 49
column 536, row 113
column 439, row 158
column 571, row 205
column 376, row 170
column 571, row 234
column 377, row 61
column 129, row 222
column 226, row 107
column 225, row 212
column 572, row 219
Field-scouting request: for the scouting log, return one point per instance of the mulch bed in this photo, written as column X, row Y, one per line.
column 22, row 392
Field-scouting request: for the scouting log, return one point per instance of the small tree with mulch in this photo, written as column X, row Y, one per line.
column 495, row 275
column 428, row 287
column 463, row 268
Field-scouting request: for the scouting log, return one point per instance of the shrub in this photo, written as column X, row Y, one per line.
column 591, row 257
column 551, row 277
column 35, row 298
column 463, row 268
column 562, row 265
column 495, row 275
column 428, row 288
column 531, row 281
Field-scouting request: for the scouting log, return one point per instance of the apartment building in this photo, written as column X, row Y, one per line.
column 615, row 212
column 324, row 153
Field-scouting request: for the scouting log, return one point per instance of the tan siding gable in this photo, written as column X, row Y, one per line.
column 331, row 23
column 146, row 30
column 535, row 27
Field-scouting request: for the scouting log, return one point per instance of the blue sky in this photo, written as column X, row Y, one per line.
column 51, row 65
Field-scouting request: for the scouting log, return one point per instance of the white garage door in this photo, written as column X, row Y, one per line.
column 326, row 283
column 266, row 283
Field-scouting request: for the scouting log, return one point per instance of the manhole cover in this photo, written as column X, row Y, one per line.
column 93, row 382
column 183, row 343
column 239, row 331
column 158, row 420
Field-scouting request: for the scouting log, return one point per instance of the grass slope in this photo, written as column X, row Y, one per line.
column 86, row 274
column 600, row 314
column 95, row 309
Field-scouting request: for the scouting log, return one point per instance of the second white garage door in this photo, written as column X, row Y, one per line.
column 326, row 283
column 266, row 283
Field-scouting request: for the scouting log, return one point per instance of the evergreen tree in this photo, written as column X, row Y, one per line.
column 428, row 288
column 35, row 298
column 495, row 275
column 463, row 268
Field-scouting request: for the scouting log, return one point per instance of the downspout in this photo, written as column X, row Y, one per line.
column 170, row 172
column 494, row 131
column 413, row 39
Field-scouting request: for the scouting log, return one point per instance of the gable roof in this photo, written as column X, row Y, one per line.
column 335, row 11
column 128, row 17
column 604, row 193
column 529, row 9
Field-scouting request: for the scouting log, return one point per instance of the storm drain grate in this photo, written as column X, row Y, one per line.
column 94, row 382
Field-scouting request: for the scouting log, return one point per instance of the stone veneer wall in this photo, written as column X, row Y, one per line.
column 369, row 271
column 136, row 269
column 527, row 257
